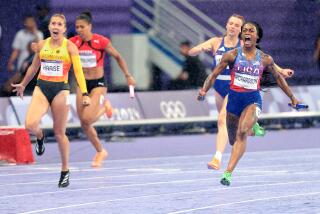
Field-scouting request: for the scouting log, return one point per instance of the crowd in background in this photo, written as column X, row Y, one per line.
column 36, row 28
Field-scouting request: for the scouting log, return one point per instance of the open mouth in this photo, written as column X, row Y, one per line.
column 55, row 33
column 247, row 40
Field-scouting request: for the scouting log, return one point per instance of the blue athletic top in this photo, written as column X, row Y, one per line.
column 246, row 74
column 222, row 84
column 218, row 56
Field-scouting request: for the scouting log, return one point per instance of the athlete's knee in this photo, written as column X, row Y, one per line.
column 59, row 135
column 242, row 132
column 222, row 122
column 31, row 126
column 85, row 121
column 85, row 125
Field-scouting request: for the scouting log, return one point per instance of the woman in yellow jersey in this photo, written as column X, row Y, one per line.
column 93, row 48
column 54, row 58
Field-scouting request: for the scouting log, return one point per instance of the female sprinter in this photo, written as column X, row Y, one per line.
column 244, row 105
column 54, row 57
column 92, row 48
column 219, row 46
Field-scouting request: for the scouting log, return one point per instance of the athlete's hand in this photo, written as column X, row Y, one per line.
column 130, row 80
column 86, row 100
column 287, row 73
column 294, row 101
column 201, row 95
column 19, row 88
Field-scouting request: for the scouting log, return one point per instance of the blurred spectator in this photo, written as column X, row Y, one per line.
column 20, row 51
column 21, row 40
column 19, row 75
column 316, row 55
column 24, row 67
column 44, row 18
column 0, row 31
column 193, row 71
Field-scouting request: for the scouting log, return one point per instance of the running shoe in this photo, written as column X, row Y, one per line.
column 108, row 108
column 226, row 178
column 214, row 164
column 40, row 146
column 64, row 179
column 98, row 158
column 258, row 130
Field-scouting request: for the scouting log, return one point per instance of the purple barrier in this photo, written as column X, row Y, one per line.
column 124, row 108
column 172, row 104
column 168, row 105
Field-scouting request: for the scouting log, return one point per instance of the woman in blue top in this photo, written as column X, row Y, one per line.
column 247, row 64
column 219, row 46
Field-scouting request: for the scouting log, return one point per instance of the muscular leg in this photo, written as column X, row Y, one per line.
column 90, row 114
column 60, row 110
column 38, row 107
column 247, row 120
column 222, row 135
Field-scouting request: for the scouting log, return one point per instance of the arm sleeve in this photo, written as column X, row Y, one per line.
column 78, row 72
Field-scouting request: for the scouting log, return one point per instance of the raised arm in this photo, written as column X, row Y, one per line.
column 206, row 46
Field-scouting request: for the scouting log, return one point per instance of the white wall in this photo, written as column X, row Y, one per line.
column 134, row 49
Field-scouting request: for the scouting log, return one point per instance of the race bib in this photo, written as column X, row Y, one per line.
column 218, row 60
column 88, row 60
column 246, row 81
column 51, row 68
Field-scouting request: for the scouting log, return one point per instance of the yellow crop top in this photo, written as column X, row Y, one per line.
column 55, row 62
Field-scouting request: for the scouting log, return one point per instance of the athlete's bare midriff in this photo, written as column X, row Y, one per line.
column 93, row 73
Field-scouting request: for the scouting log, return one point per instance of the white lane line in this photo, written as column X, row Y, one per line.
column 107, row 187
column 168, row 158
column 168, row 194
column 123, row 186
column 171, row 172
column 246, row 201
column 76, row 169
column 197, row 180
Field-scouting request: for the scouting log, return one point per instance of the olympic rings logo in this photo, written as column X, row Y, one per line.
column 173, row 109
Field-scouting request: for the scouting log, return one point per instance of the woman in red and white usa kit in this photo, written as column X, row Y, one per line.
column 92, row 48
column 247, row 64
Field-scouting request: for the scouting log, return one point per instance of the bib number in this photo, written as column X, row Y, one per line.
column 51, row 68
column 246, row 81
column 218, row 60
column 88, row 60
